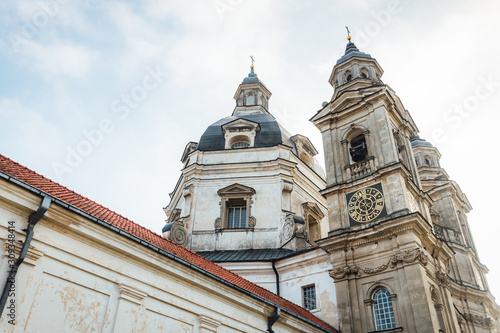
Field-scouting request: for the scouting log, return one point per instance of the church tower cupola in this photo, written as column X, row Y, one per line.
column 354, row 66
column 252, row 96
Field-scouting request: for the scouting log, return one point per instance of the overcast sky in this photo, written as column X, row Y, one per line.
column 103, row 96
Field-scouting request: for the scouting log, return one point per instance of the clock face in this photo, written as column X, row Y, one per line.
column 366, row 204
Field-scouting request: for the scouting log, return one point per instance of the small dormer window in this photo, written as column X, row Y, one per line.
column 250, row 99
column 240, row 133
column 240, row 144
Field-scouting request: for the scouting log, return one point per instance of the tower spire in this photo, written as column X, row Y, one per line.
column 348, row 33
column 252, row 73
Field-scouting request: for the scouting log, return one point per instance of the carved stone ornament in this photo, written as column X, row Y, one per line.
column 341, row 271
column 218, row 223
column 178, row 233
column 434, row 294
column 252, row 222
column 287, row 230
column 478, row 320
column 409, row 256
column 442, row 279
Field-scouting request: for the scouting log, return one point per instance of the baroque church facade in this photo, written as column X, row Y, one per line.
column 379, row 241
column 259, row 238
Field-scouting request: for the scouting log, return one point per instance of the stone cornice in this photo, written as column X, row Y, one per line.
column 459, row 291
column 32, row 255
column 365, row 96
column 403, row 257
column 375, row 177
column 379, row 231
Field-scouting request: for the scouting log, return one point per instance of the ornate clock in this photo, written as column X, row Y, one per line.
column 366, row 204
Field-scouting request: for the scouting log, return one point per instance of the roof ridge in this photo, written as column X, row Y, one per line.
column 18, row 171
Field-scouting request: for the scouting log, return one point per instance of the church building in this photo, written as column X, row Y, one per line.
column 380, row 242
column 258, row 236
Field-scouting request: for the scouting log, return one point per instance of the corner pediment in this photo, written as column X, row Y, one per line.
column 303, row 142
column 240, row 125
column 236, row 189
column 190, row 147
column 313, row 208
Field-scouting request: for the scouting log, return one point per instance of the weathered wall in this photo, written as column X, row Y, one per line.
column 81, row 277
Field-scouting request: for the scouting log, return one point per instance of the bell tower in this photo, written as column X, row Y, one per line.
column 388, row 266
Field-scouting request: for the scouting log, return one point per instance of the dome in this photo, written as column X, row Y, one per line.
column 416, row 141
column 270, row 134
column 251, row 79
column 352, row 51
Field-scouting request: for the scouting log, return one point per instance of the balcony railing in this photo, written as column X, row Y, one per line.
column 361, row 168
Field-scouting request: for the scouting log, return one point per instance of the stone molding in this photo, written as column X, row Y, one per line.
column 131, row 294
column 404, row 257
column 32, row 255
column 208, row 324
column 382, row 235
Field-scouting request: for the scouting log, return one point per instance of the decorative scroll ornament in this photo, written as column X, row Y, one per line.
column 287, row 230
column 341, row 271
column 178, row 233
column 406, row 257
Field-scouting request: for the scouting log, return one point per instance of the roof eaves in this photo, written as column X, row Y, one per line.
column 161, row 250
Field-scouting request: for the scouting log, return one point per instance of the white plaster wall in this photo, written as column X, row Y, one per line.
column 79, row 276
column 310, row 268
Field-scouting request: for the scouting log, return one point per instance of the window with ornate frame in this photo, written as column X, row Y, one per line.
column 235, row 208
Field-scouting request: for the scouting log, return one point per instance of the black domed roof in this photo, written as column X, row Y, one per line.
column 416, row 141
column 269, row 135
column 251, row 79
column 352, row 51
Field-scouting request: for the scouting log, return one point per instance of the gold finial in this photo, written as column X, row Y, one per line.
column 348, row 34
column 251, row 57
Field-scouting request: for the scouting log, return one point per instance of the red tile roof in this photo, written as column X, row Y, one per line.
column 62, row 193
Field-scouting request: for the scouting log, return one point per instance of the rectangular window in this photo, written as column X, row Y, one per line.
column 236, row 214
column 309, row 297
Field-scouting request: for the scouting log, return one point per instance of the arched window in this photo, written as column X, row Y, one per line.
column 348, row 75
column 250, row 99
column 240, row 144
column 358, row 149
column 383, row 311
column 364, row 73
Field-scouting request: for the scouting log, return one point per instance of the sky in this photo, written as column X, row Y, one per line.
column 103, row 96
